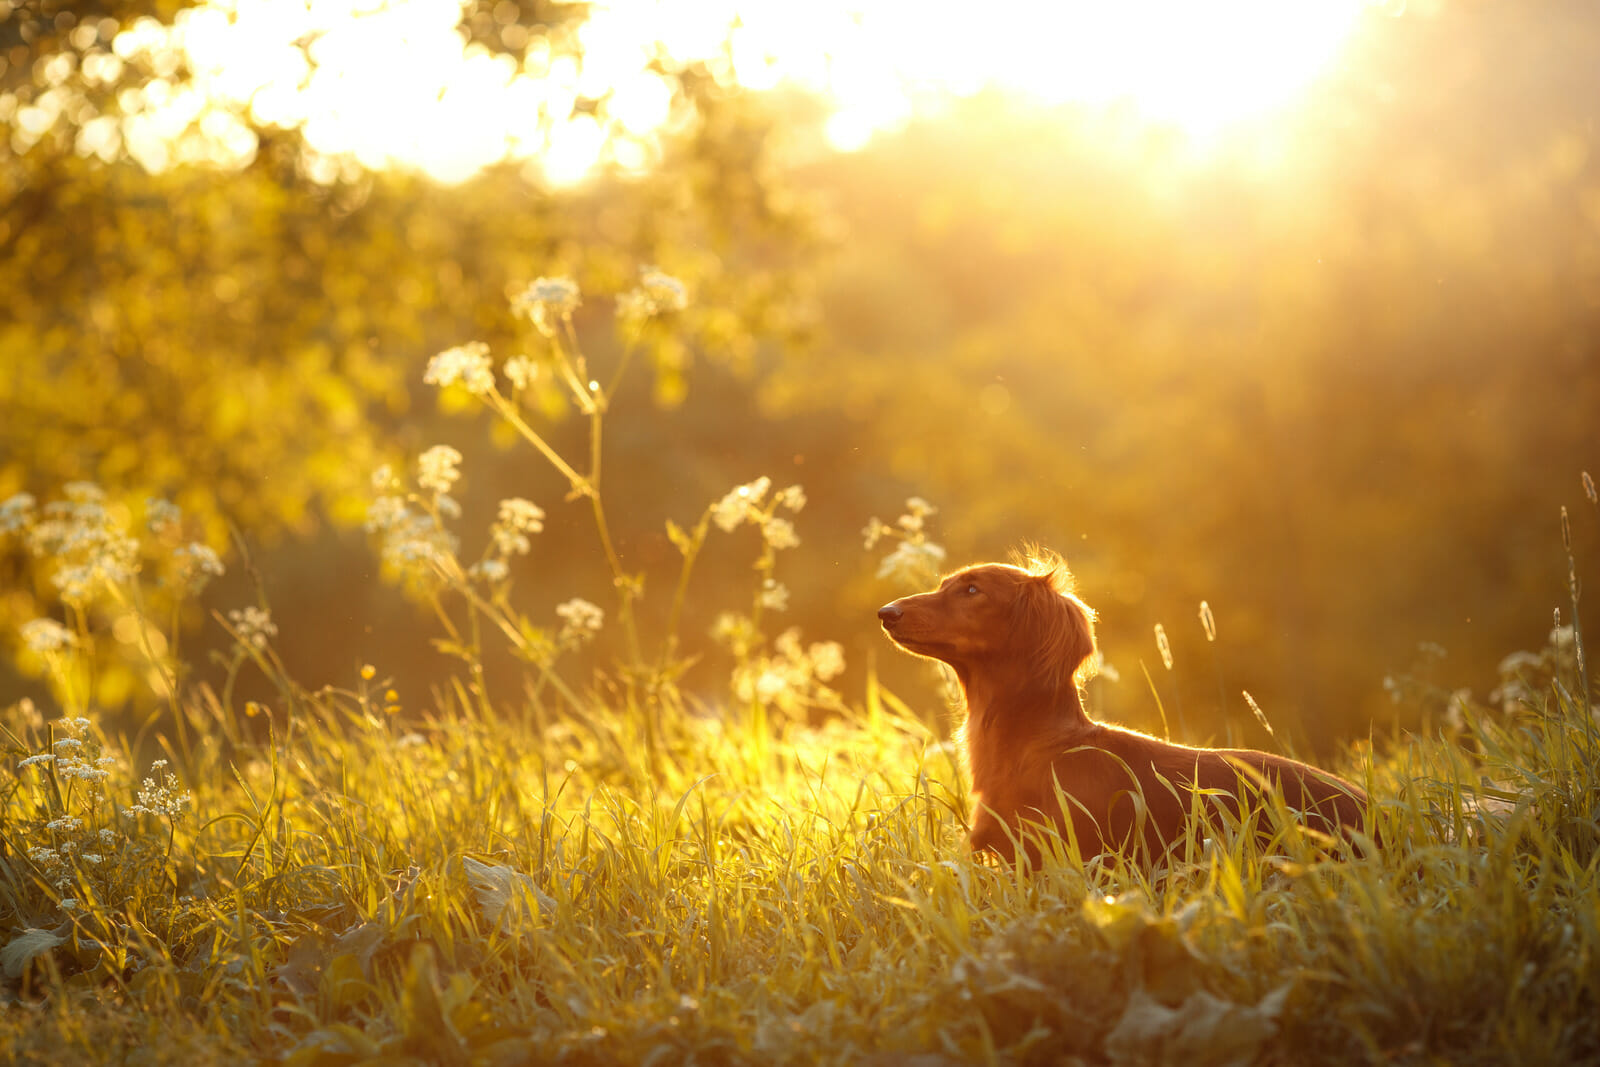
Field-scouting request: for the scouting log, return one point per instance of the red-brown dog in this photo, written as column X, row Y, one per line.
column 1020, row 643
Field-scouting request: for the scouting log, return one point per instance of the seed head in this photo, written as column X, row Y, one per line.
column 1206, row 621
column 1163, row 647
column 1260, row 716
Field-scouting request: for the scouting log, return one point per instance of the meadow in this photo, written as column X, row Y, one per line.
column 606, row 867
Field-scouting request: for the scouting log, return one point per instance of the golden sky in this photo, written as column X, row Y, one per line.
column 393, row 83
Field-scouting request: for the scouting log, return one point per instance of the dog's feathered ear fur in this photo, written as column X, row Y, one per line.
column 1054, row 627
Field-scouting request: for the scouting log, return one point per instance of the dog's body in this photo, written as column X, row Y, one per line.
column 1020, row 643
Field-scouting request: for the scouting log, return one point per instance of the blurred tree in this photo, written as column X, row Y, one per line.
column 233, row 319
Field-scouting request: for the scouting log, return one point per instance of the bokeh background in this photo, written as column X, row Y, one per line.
column 1297, row 314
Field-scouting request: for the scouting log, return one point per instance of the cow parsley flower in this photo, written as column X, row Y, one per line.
column 780, row 533
column 16, row 513
column 740, row 504
column 913, row 562
column 468, row 364
column 657, row 294
column 518, row 518
column 194, row 566
column 254, row 625
column 491, row 571
column 521, row 371
column 43, row 636
column 547, row 302
column 385, row 512
column 89, row 548
column 583, row 619
column 437, row 468
column 774, row 595
column 162, row 516
column 164, row 799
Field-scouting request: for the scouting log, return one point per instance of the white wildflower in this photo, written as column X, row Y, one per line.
column 489, row 570
column 913, row 562
column 917, row 511
column 468, row 364
column 16, row 513
column 196, row 564
column 769, row 685
column 437, row 468
column 827, row 659
column 43, row 757
column 385, row 512
column 253, row 625
column 69, row 903
column 518, row 518
column 416, row 544
column 873, row 532
column 43, row 636
column 780, row 533
column 656, row 294
column 447, row 506
column 547, row 302
column 740, row 503
column 383, row 479
column 164, row 799
column 583, row 619
column 89, row 548
column 81, row 770
column 73, row 724
column 66, row 824
column 793, row 498
column 162, row 517
column 521, row 371
column 774, row 595
column 67, row 746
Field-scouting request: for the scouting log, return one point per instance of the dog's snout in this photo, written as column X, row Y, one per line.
column 890, row 613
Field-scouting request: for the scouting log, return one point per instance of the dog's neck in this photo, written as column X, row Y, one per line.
column 1006, row 717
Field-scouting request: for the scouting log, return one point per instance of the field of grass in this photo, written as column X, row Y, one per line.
column 623, row 873
column 491, row 887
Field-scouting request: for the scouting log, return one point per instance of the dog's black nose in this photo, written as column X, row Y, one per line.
column 889, row 613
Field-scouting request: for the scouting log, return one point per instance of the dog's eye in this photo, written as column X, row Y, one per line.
column 972, row 590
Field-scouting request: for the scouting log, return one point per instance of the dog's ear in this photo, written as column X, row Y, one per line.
column 1057, row 628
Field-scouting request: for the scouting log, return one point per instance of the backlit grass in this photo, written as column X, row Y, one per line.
column 487, row 888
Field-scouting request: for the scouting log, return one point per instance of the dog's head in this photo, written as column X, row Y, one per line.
column 1024, row 615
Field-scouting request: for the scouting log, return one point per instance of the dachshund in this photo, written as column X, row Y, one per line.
column 1021, row 644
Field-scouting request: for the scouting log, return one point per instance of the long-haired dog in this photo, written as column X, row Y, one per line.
column 1021, row 644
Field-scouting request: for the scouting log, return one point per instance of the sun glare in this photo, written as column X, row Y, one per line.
column 393, row 83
